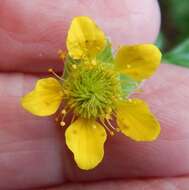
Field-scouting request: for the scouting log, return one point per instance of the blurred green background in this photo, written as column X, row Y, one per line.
column 173, row 39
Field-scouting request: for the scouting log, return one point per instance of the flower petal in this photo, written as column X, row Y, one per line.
column 138, row 61
column 136, row 121
column 45, row 99
column 84, row 38
column 86, row 138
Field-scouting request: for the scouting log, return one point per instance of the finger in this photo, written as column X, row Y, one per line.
column 33, row 148
column 180, row 183
column 31, row 32
column 168, row 97
column 31, row 152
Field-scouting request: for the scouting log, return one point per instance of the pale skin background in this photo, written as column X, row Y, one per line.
column 32, row 150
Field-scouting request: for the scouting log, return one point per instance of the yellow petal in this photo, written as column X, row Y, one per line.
column 136, row 121
column 84, row 38
column 138, row 61
column 45, row 99
column 86, row 138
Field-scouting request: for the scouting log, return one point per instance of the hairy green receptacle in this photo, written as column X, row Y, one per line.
column 92, row 90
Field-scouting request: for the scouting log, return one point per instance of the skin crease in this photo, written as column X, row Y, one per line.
column 33, row 153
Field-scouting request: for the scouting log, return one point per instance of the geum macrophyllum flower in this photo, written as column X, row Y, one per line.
column 95, row 88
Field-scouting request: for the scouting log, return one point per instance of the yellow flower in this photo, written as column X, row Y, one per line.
column 94, row 90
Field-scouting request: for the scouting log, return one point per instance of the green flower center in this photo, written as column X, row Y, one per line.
column 92, row 90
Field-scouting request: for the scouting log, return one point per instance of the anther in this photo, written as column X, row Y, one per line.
column 113, row 98
column 117, row 129
column 109, row 110
column 50, row 70
column 93, row 62
column 62, row 123
column 57, row 118
column 61, row 54
column 108, row 116
column 98, row 48
column 63, row 112
column 61, row 93
column 112, row 133
column 74, row 66
column 66, row 92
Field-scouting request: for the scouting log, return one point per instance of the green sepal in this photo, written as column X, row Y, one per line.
column 106, row 55
column 161, row 41
column 128, row 85
column 179, row 55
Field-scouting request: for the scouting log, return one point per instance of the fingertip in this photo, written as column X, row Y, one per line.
column 32, row 32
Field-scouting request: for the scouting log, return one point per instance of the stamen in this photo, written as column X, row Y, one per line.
column 109, row 123
column 63, row 117
column 106, row 127
column 93, row 62
column 61, row 54
column 73, row 118
column 57, row 76
column 62, row 123
column 58, row 117
column 130, row 100
column 117, row 129
column 112, row 133
column 63, row 112
column 108, row 116
column 74, row 66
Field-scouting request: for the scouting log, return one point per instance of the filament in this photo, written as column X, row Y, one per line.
column 107, row 128
column 57, row 76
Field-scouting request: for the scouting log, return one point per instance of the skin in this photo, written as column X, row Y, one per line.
column 32, row 149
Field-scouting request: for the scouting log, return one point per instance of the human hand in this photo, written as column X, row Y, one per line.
column 33, row 152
